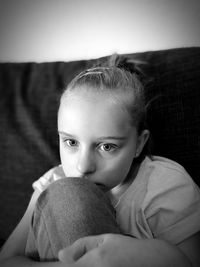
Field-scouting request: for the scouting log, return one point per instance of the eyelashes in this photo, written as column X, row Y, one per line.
column 108, row 147
column 71, row 142
column 103, row 147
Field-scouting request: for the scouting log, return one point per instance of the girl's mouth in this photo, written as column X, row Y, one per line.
column 102, row 187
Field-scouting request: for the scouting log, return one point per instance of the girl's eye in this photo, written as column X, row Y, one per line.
column 71, row 142
column 108, row 147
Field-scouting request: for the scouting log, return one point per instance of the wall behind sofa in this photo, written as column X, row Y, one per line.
column 52, row 30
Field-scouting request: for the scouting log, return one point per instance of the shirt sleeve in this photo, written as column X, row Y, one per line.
column 49, row 177
column 172, row 205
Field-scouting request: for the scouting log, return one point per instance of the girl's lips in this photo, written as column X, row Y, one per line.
column 102, row 187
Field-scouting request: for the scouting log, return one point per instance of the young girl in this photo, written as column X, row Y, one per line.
column 103, row 151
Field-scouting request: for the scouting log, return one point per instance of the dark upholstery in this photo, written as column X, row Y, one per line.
column 29, row 95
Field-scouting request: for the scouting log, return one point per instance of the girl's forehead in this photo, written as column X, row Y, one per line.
column 119, row 97
column 90, row 106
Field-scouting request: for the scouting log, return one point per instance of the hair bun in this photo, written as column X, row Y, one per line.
column 127, row 63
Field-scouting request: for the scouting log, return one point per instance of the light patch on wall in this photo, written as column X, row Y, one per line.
column 51, row 30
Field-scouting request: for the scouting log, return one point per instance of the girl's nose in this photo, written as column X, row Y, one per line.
column 86, row 163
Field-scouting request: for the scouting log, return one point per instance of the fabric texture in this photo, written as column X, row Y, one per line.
column 162, row 201
column 29, row 98
column 67, row 210
column 54, row 174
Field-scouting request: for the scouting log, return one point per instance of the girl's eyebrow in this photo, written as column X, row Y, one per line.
column 66, row 134
column 112, row 137
column 100, row 138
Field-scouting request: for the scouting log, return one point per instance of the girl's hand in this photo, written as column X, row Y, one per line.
column 113, row 250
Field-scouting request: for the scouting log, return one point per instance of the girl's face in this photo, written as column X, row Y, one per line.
column 97, row 140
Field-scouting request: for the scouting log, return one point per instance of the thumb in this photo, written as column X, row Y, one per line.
column 79, row 248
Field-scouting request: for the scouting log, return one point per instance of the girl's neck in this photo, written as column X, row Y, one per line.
column 119, row 190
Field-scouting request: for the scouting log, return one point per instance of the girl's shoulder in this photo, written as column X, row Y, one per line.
column 160, row 177
column 164, row 169
column 156, row 176
column 164, row 178
column 170, row 197
column 49, row 177
column 165, row 162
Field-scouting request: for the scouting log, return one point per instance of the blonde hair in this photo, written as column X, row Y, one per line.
column 115, row 74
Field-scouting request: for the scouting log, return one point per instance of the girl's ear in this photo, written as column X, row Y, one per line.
column 142, row 139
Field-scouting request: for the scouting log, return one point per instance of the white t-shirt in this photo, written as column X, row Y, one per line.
column 161, row 202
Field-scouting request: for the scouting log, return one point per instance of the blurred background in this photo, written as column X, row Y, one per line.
column 65, row 30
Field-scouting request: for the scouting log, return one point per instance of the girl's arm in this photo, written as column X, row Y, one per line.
column 13, row 251
column 190, row 247
column 117, row 250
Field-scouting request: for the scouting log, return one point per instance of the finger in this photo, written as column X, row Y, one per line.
column 72, row 253
column 79, row 248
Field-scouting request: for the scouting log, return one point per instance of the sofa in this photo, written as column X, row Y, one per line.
column 29, row 99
